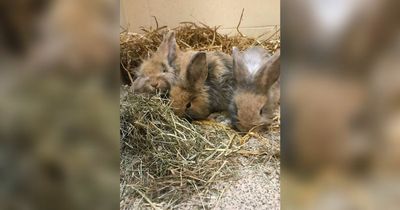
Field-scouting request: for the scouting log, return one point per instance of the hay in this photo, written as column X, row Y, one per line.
column 169, row 157
column 189, row 36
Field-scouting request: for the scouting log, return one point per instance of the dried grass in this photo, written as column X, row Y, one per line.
column 167, row 157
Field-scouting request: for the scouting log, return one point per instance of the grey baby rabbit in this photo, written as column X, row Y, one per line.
column 256, row 91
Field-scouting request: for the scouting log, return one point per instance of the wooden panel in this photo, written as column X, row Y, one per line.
column 259, row 16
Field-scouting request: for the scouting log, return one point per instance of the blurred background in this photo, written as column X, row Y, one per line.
column 59, row 93
column 340, row 104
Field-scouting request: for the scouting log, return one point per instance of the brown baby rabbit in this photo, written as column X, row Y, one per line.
column 204, row 86
column 158, row 72
column 257, row 89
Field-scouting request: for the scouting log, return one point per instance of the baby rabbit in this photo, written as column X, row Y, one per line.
column 256, row 95
column 205, row 85
column 159, row 72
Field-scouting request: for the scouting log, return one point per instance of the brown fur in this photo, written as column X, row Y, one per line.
column 159, row 72
column 256, row 95
column 248, row 112
column 205, row 85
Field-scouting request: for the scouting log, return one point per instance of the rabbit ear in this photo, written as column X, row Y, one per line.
column 197, row 71
column 269, row 72
column 168, row 47
column 240, row 71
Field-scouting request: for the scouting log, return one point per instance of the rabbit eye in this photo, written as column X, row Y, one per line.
column 261, row 111
column 164, row 68
column 188, row 105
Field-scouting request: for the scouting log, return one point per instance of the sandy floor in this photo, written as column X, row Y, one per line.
column 257, row 186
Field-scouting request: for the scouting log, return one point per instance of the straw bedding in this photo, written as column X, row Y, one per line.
column 136, row 47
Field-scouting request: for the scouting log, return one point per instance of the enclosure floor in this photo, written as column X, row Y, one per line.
column 257, row 187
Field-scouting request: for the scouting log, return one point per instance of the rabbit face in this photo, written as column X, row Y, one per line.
column 250, row 110
column 154, row 75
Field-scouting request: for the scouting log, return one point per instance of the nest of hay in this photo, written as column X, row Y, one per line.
column 189, row 36
column 165, row 159
column 166, row 156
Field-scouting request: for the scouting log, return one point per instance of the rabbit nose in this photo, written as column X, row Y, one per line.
column 154, row 84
